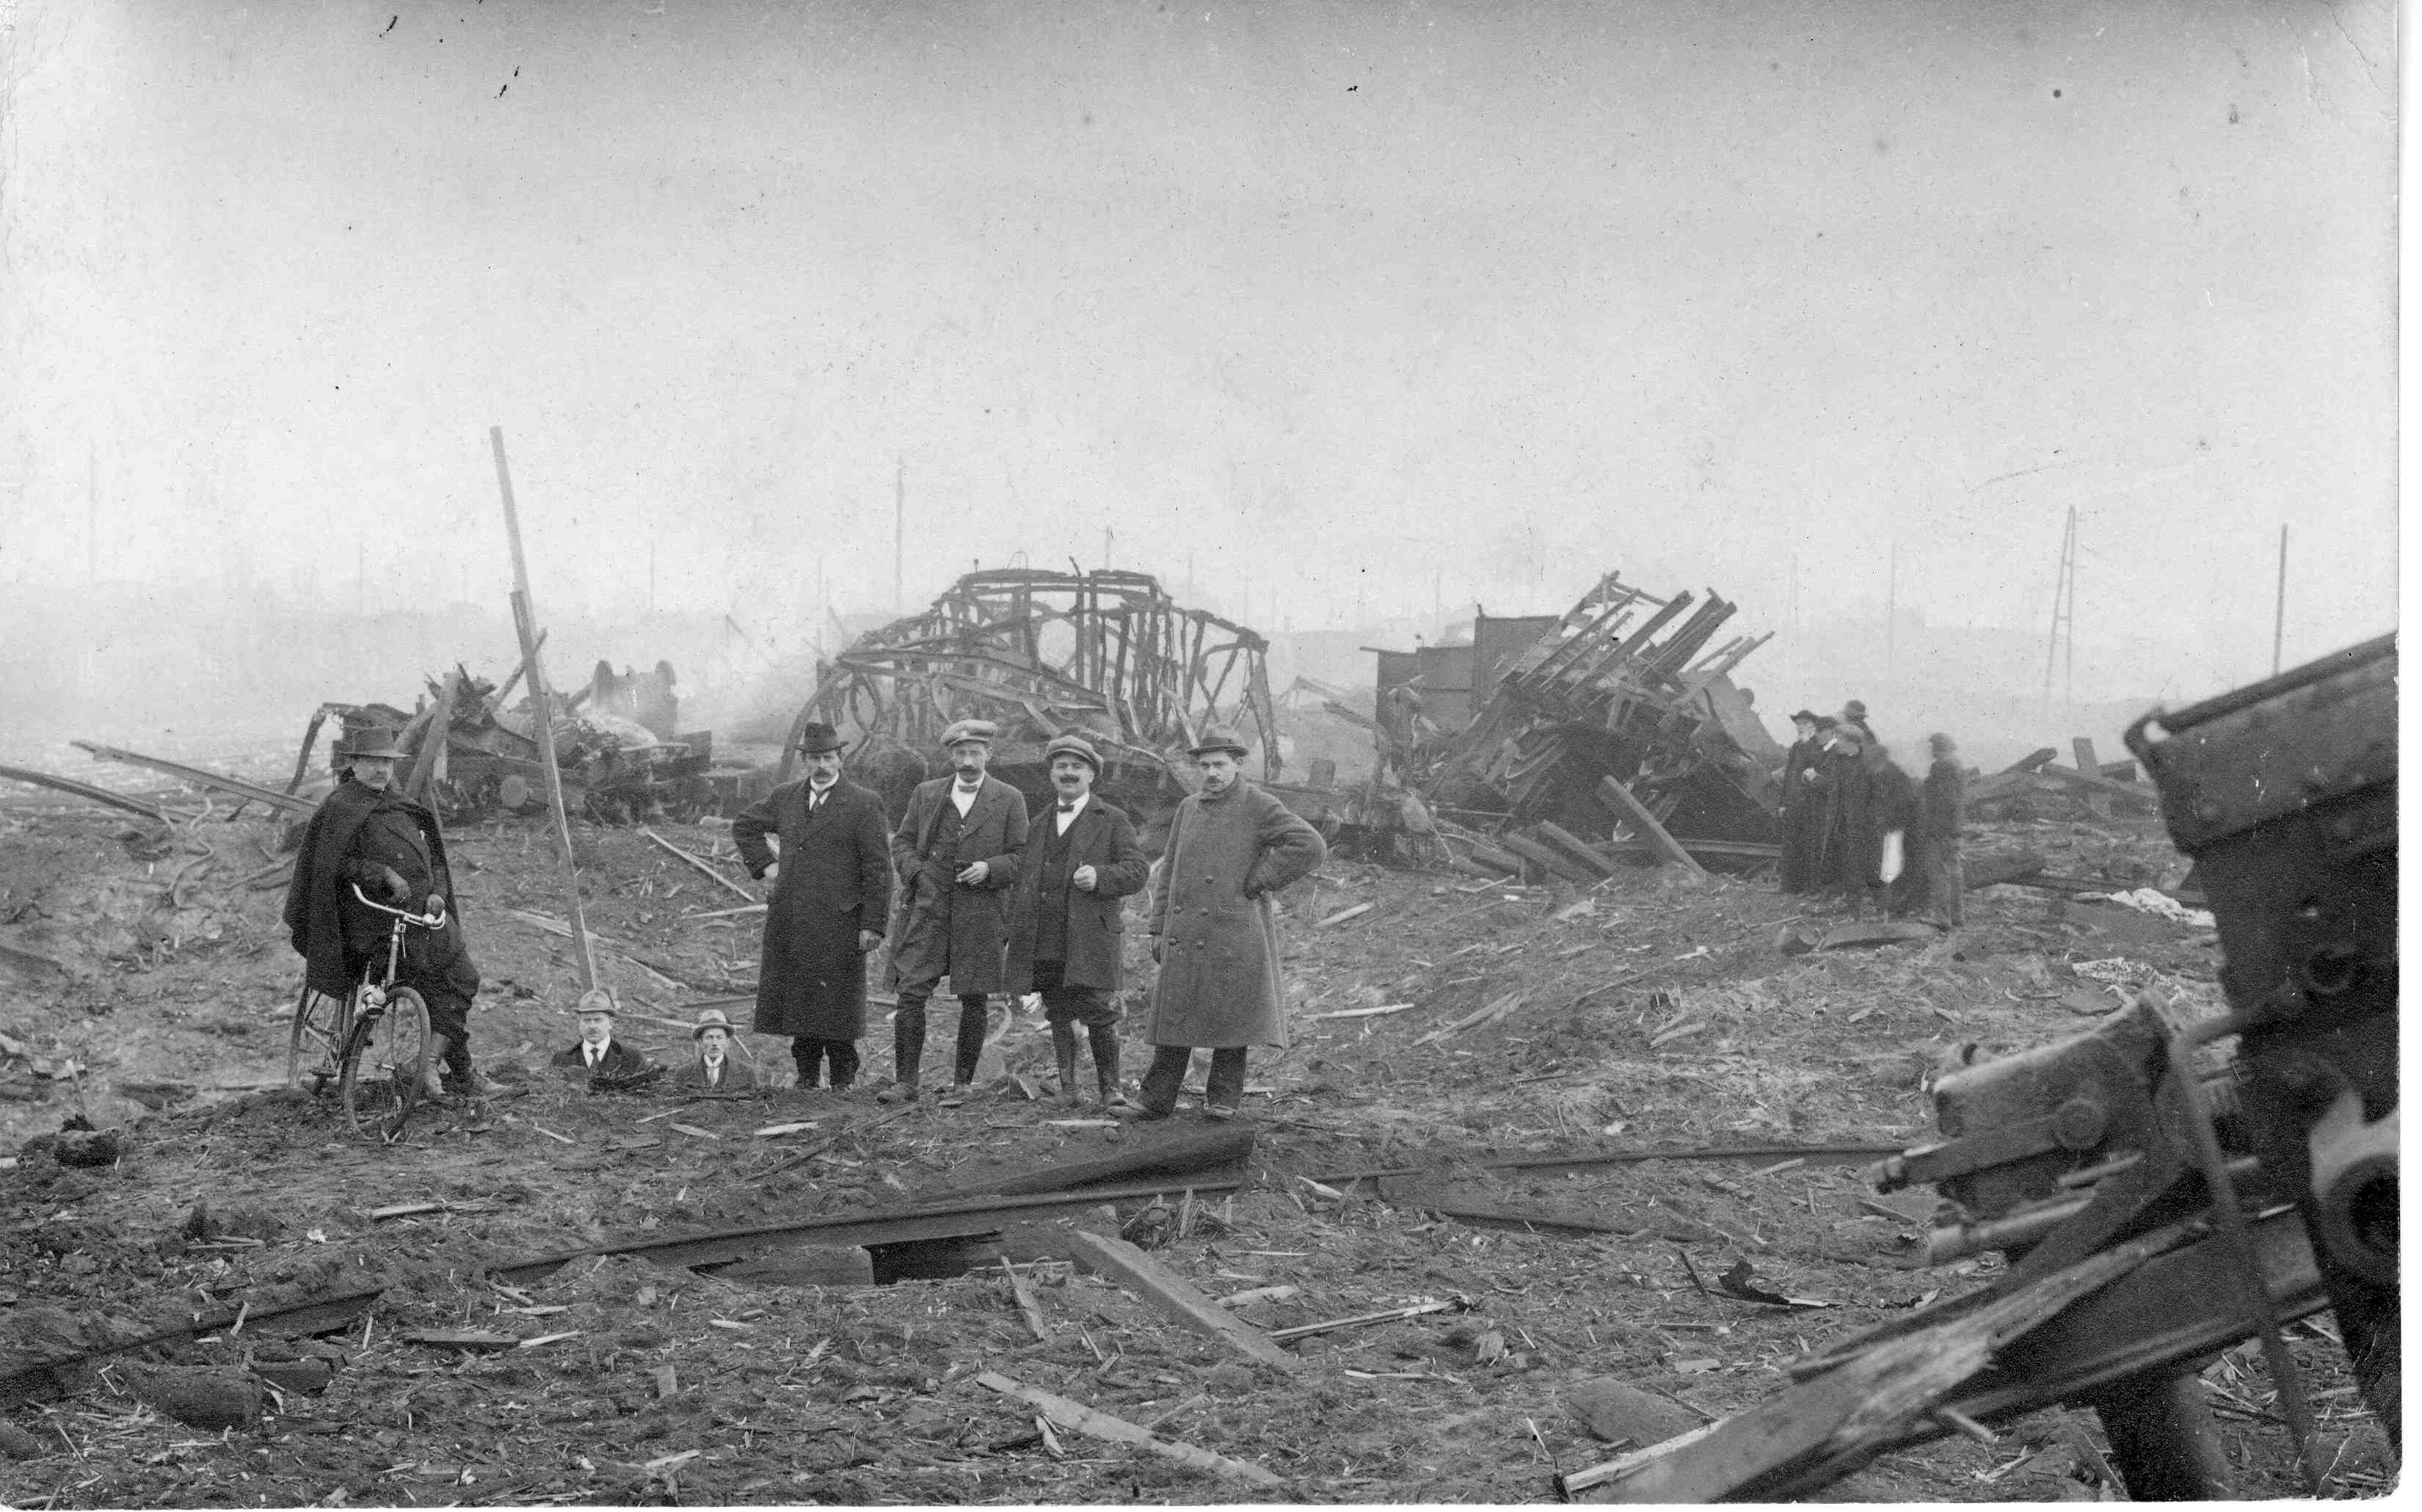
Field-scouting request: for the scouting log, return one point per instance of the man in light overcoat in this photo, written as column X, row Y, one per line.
column 1081, row 863
column 955, row 852
column 1230, row 846
column 832, row 888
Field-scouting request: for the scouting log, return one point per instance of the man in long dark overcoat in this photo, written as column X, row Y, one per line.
column 367, row 834
column 1230, row 846
column 956, row 854
column 832, row 889
column 1942, row 805
column 1082, row 861
column 1802, row 816
column 1850, row 859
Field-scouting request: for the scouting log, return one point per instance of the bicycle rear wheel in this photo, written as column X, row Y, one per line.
column 313, row 1040
column 386, row 1058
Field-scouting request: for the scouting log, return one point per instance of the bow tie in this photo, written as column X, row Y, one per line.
column 1067, row 805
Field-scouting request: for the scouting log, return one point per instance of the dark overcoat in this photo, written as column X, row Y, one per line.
column 1103, row 838
column 946, row 928
column 737, row 1076
column 835, row 881
column 1850, row 857
column 619, row 1060
column 1805, row 788
column 322, row 912
column 1219, row 986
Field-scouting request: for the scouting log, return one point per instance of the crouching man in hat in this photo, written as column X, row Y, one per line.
column 367, row 834
column 1064, row 926
column 1231, row 845
column 714, row 1069
column 599, row 1053
column 832, row 886
column 956, row 853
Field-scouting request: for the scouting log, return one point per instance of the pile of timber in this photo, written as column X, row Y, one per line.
column 1548, row 851
column 2092, row 788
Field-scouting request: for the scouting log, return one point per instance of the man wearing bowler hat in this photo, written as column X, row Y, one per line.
column 598, row 1052
column 1231, row 845
column 367, row 834
column 714, row 1069
column 832, row 886
column 956, row 854
column 1080, row 862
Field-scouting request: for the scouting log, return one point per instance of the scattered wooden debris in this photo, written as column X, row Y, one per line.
column 667, row 845
column 1489, row 1012
column 1419, row 1309
column 84, row 790
column 1358, row 1012
column 1078, row 1418
column 478, row 1340
column 1028, row 1308
column 1175, row 1296
column 1342, row 915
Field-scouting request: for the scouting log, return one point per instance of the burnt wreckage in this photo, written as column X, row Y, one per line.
column 1623, row 688
column 1106, row 654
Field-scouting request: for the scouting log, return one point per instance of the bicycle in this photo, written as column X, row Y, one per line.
column 373, row 1043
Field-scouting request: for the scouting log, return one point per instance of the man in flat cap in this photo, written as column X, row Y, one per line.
column 956, row 853
column 1064, row 925
column 832, row 888
column 369, row 835
column 1230, row 846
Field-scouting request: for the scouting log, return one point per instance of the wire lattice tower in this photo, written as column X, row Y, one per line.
column 2061, row 649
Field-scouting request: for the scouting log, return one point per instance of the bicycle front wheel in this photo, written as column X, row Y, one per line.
column 311, row 1040
column 386, row 1058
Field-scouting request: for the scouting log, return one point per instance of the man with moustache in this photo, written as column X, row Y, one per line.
column 956, row 854
column 1231, row 845
column 367, row 834
column 1064, row 925
column 832, row 886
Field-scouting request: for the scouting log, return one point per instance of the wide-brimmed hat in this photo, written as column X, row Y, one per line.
column 1077, row 745
column 376, row 740
column 1220, row 737
column 596, row 1000
column 816, row 739
column 982, row 732
column 710, row 1019
column 1854, row 710
column 1809, row 714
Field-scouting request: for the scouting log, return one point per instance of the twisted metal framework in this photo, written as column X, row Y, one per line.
column 1041, row 652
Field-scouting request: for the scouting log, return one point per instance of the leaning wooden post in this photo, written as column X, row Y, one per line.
column 1650, row 830
column 542, row 720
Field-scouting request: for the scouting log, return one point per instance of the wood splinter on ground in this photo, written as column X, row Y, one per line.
column 1028, row 1308
column 1078, row 1418
column 1175, row 1296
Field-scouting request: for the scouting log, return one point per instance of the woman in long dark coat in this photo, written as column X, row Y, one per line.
column 832, row 893
column 1802, row 816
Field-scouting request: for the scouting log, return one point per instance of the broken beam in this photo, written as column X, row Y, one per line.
column 83, row 789
column 1078, row 1418
column 1646, row 823
column 1175, row 1296
column 195, row 774
column 704, row 869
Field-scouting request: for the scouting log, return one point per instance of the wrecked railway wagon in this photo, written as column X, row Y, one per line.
column 1041, row 652
column 1623, row 687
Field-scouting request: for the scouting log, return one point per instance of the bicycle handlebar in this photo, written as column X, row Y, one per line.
column 431, row 921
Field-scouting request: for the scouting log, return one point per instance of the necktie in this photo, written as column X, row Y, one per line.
column 593, row 1056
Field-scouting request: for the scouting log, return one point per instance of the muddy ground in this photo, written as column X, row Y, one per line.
column 166, row 1017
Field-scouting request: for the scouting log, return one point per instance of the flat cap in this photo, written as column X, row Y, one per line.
column 1220, row 737
column 982, row 730
column 1074, row 745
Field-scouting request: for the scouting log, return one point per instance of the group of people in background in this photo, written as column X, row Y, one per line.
column 1859, row 831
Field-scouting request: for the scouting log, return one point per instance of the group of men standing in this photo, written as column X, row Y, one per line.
column 1856, row 828
column 996, row 902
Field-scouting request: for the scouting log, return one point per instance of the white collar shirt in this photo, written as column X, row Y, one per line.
column 1065, row 815
column 963, row 797
column 816, row 796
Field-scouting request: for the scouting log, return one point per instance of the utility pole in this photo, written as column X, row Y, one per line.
column 2063, row 612
column 2279, row 614
column 651, row 572
column 1891, row 603
column 1795, row 592
column 1107, row 539
column 899, row 529
column 91, row 513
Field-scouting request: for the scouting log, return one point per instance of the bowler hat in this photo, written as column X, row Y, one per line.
column 816, row 739
column 374, row 740
column 596, row 1000
column 1220, row 737
column 710, row 1019
column 1074, row 745
column 1854, row 710
column 984, row 731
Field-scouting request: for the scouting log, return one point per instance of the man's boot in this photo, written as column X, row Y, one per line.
column 1106, row 1063
column 1063, row 1049
column 907, row 1052
column 431, row 1084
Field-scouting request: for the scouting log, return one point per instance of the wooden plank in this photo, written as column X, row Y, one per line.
column 433, row 736
column 1556, row 865
column 1028, row 1308
column 1649, row 829
column 1177, row 1152
column 2137, row 793
column 1574, row 846
column 2084, row 747
column 195, row 774
column 1078, row 1418
column 1479, row 1207
column 2028, row 763
column 702, row 867
column 1174, row 1296
column 83, row 789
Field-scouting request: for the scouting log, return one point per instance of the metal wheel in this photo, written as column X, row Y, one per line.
column 311, row 1040
column 386, row 1057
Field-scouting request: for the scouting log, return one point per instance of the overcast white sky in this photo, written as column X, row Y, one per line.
column 1470, row 298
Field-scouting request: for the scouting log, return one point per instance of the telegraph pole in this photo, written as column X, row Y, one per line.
column 899, row 529
column 2064, row 611
column 1891, row 603
column 2280, row 613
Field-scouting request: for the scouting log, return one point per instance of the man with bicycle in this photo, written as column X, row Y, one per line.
column 366, row 834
